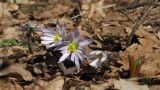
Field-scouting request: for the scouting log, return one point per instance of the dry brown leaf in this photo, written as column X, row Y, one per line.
column 98, row 7
column 147, row 48
column 10, row 33
column 6, row 7
column 144, row 34
column 55, row 84
column 129, row 85
column 14, row 50
column 91, row 8
column 103, row 86
column 37, row 85
column 16, row 70
column 8, row 85
column 154, row 87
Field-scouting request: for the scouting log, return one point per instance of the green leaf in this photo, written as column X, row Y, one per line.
column 8, row 42
column 138, row 61
column 25, row 45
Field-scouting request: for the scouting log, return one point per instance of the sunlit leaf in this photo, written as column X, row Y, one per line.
column 8, row 42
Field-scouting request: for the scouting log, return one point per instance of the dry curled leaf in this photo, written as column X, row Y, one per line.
column 17, row 71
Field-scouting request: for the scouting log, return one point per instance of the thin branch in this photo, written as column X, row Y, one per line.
column 133, row 6
column 127, row 16
column 138, row 23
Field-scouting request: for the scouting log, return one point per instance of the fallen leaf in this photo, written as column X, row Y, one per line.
column 5, row 9
column 129, row 85
column 103, row 86
column 8, row 85
column 55, row 84
column 154, row 87
column 98, row 7
column 10, row 32
column 16, row 70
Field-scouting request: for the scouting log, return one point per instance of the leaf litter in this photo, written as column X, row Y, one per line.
column 27, row 65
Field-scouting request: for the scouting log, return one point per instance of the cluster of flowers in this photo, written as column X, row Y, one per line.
column 70, row 45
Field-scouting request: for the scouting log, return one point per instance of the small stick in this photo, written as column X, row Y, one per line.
column 138, row 23
column 127, row 16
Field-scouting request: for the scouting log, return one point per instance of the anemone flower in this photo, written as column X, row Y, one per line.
column 53, row 38
column 75, row 49
column 99, row 57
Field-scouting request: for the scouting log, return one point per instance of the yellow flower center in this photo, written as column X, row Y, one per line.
column 100, row 55
column 72, row 47
column 56, row 38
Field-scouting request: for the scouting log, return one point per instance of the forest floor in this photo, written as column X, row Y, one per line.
column 130, row 66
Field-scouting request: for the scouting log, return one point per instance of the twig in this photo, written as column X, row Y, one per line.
column 138, row 23
column 77, row 16
column 127, row 16
column 133, row 6
column 108, row 6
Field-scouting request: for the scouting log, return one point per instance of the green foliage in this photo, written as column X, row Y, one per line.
column 8, row 42
column 138, row 61
column 25, row 44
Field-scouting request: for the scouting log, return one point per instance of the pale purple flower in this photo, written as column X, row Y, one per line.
column 98, row 58
column 75, row 49
column 52, row 38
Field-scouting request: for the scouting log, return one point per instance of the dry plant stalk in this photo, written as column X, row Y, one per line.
column 135, row 65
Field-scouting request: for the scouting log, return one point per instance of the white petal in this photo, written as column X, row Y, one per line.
column 96, row 52
column 76, row 33
column 47, row 31
column 58, row 28
column 104, row 58
column 77, row 62
column 84, row 53
column 59, row 43
column 85, row 42
column 80, row 56
column 52, row 45
column 48, row 34
column 73, row 57
column 64, row 48
column 46, row 42
column 63, row 57
column 64, row 51
column 96, row 63
column 46, row 38
column 80, row 48
column 79, row 51
column 93, row 52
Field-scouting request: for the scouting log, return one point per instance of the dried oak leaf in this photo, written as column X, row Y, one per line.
column 56, row 84
column 17, row 71
column 129, row 85
column 6, row 7
column 8, row 85
column 93, row 8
